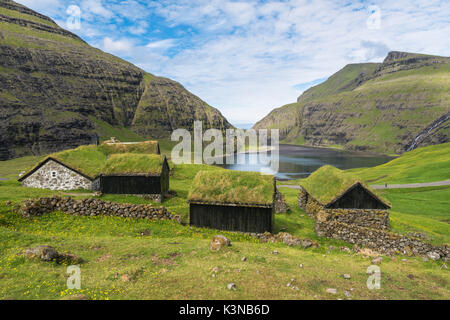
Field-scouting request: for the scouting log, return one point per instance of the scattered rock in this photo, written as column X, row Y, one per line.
column 231, row 286
column 331, row 291
column 104, row 257
column 306, row 243
column 348, row 294
column 218, row 242
column 146, row 232
column 244, row 259
column 48, row 253
column 433, row 255
column 275, row 252
column 44, row 253
column 345, row 276
column 301, row 265
column 377, row 260
column 444, row 266
column 125, row 278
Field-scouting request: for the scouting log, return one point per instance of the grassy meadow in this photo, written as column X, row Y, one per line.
column 166, row 260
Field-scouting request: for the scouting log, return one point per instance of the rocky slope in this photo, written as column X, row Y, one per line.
column 57, row 92
column 388, row 107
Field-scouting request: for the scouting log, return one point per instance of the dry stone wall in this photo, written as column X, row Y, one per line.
column 367, row 228
column 370, row 218
column 95, row 207
column 379, row 240
column 54, row 176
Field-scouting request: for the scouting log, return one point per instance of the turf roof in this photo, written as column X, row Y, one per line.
column 91, row 160
column 85, row 159
column 329, row 183
column 146, row 147
column 132, row 163
column 232, row 187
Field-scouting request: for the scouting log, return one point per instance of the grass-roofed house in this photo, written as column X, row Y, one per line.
column 232, row 200
column 86, row 167
column 67, row 170
column 142, row 174
column 330, row 194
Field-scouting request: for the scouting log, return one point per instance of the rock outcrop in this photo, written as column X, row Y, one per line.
column 57, row 92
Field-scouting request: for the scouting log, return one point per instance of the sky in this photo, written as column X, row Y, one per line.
column 248, row 57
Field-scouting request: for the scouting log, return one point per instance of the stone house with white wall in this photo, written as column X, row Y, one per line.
column 55, row 175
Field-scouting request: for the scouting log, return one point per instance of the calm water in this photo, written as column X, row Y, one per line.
column 299, row 162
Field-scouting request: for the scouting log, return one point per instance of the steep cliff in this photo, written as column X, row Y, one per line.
column 389, row 107
column 57, row 92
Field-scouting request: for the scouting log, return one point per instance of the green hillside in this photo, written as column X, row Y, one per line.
column 427, row 164
column 372, row 107
column 57, row 92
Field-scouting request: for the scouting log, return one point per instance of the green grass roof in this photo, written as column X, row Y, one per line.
column 85, row 159
column 146, row 147
column 232, row 187
column 131, row 163
column 92, row 160
column 328, row 183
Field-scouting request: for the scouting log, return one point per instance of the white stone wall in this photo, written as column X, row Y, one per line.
column 54, row 176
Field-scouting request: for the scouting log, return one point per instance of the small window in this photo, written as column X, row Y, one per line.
column 54, row 174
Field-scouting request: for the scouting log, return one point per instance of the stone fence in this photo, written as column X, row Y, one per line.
column 367, row 228
column 370, row 218
column 380, row 240
column 94, row 207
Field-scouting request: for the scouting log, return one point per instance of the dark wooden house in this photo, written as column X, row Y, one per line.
column 139, row 174
column 332, row 188
column 233, row 201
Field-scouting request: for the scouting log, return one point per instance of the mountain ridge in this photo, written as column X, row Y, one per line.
column 374, row 107
column 57, row 92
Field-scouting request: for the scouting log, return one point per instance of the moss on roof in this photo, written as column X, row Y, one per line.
column 132, row 163
column 328, row 183
column 85, row 159
column 146, row 147
column 92, row 160
column 232, row 187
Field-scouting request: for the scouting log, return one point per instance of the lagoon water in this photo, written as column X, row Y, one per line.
column 299, row 161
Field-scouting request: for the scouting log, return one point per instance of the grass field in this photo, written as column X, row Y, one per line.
column 427, row 164
column 174, row 261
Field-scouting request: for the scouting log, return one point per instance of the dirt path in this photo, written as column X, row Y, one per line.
column 393, row 186
column 413, row 185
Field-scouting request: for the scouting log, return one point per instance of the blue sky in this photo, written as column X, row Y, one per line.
column 247, row 57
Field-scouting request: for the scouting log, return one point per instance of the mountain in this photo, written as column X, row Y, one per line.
column 57, row 92
column 388, row 107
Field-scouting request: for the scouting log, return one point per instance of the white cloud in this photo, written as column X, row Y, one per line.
column 161, row 44
column 47, row 7
column 121, row 46
column 96, row 7
column 245, row 57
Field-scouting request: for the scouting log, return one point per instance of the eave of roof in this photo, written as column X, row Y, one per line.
column 340, row 195
column 43, row 162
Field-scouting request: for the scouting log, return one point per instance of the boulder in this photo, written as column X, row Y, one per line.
column 433, row 255
column 48, row 253
column 44, row 253
column 218, row 242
